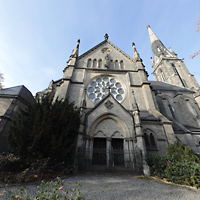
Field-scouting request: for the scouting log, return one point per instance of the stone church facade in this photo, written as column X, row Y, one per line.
column 124, row 116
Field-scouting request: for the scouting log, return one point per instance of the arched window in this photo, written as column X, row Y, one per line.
column 111, row 64
column 100, row 63
column 121, row 64
column 149, row 140
column 89, row 63
column 94, row 63
column 176, row 72
column 162, row 75
column 116, row 64
column 146, row 140
column 152, row 140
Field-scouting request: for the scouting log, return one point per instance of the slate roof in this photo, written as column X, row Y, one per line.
column 146, row 116
column 17, row 91
column 159, row 85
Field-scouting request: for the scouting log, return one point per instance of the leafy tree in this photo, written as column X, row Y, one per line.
column 1, row 80
column 46, row 130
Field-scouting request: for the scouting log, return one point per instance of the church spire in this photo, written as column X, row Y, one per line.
column 158, row 48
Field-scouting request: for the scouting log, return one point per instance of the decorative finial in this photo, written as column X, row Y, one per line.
column 135, row 53
column 152, row 61
column 106, row 36
column 148, row 26
column 172, row 51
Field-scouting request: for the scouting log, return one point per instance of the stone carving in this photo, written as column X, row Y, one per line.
column 109, row 105
column 107, row 50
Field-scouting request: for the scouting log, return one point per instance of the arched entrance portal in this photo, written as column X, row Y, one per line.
column 111, row 144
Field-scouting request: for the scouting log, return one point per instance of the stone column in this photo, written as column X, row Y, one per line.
column 140, row 142
column 108, row 149
column 131, row 149
column 126, row 152
column 91, row 148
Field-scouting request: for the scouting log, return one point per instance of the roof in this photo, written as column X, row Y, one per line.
column 100, row 44
column 146, row 116
column 159, row 85
column 17, row 91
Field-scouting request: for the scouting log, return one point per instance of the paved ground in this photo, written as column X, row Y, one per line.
column 123, row 187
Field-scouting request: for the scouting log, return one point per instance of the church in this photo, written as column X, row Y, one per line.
column 124, row 116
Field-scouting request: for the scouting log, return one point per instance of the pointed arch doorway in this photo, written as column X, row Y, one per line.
column 109, row 134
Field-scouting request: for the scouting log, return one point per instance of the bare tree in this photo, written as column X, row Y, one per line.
column 197, row 30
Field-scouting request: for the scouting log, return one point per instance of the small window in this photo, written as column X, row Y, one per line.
column 116, row 64
column 89, row 63
column 146, row 140
column 162, row 75
column 100, row 63
column 121, row 64
column 112, row 64
column 94, row 63
column 150, row 141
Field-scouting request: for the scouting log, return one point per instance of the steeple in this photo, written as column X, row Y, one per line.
column 74, row 55
column 158, row 48
column 168, row 67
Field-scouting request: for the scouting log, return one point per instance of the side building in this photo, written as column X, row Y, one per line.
column 11, row 101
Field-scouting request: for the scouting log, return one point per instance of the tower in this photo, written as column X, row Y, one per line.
column 168, row 67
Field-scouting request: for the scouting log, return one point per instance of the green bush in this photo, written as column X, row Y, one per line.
column 180, row 166
column 178, row 152
column 157, row 164
column 183, row 172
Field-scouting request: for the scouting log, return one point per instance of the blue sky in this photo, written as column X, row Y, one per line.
column 38, row 36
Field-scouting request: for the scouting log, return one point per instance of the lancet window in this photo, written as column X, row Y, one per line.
column 149, row 140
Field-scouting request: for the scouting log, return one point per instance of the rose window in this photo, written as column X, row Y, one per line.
column 99, row 87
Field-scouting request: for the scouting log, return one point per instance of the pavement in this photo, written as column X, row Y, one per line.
column 115, row 186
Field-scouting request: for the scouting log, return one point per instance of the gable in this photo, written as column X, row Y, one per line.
column 109, row 108
column 104, row 54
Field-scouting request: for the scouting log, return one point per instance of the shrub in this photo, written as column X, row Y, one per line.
column 180, row 166
column 157, row 164
column 178, row 152
column 183, row 172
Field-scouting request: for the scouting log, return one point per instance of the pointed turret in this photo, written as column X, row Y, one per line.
column 135, row 53
column 74, row 55
column 158, row 48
